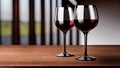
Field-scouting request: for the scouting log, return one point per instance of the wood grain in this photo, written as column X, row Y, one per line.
column 45, row 56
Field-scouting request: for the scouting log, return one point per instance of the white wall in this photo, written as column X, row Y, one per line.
column 108, row 29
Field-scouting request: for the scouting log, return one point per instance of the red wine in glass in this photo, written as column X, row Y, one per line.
column 86, row 18
column 64, row 27
column 86, row 25
column 64, row 22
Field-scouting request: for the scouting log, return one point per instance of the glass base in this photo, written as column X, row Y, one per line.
column 86, row 58
column 64, row 55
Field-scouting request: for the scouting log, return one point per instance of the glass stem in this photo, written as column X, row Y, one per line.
column 85, row 43
column 64, row 42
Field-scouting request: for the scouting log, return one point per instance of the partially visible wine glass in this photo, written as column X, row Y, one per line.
column 86, row 18
column 64, row 22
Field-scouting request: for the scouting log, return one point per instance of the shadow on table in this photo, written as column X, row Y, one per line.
column 110, row 60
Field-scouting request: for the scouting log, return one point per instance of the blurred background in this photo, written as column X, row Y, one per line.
column 107, row 31
column 108, row 28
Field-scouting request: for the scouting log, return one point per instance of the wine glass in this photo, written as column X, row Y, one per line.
column 64, row 22
column 86, row 18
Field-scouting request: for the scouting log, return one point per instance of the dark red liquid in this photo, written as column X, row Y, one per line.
column 64, row 26
column 86, row 25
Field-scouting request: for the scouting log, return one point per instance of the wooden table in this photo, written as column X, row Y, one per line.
column 17, row 55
